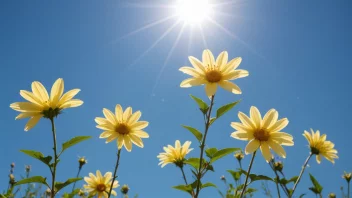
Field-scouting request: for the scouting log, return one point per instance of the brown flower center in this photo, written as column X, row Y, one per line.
column 213, row 76
column 122, row 129
column 101, row 187
column 261, row 135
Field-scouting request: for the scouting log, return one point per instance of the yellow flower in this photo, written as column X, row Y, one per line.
column 100, row 185
column 41, row 105
column 212, row 73
column 175, row 154
column 347, row 176
column 123, row 126
column 264, row 133
column 320, row 147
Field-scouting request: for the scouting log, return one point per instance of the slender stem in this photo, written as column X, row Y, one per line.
column 207, row 123
column 114, row 177
column 74, row 184
column 300, row 175
column 184, row 176
column 53, row 172
column 284, row 188
column 277, row 186
column 348, row 190
column 320, row 195
column 248, row 172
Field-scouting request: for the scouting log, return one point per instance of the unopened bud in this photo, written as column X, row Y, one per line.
column 332, row 195
column 82, row 161
column 12, row 165
column 81, row 193
column 239, row 156
column 12, row 179
column 124, row 189
column 222, row 178
column 48, row 192
column 28, row 168
column 278, row 166
column 347, row 177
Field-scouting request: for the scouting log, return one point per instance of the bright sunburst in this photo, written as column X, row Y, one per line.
column 193, row 11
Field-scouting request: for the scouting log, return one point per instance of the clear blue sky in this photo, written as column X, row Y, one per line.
column 297, row 53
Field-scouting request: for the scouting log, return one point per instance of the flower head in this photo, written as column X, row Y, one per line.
column 262, row 133
column 212, row 73
column 100, row 185
column 82, row 161
column 176, row 155
column 347, row 176
column 125, row 189
column 123, row 126
column 239, row 155
column 332, row 195
column 41, row 105
column 320, row 147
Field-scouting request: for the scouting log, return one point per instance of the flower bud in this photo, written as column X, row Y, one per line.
column 28, row 168
column 332, row 195
column 12, row 165
column 239, row 156
column 347, row 177
column 278, row 166
column 12, row 179
column 222, row 178
column 124, row 189
column 82, row 161
column 48, row 192
column 81, row 193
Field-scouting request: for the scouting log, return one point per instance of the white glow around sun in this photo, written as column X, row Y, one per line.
column 193, row 11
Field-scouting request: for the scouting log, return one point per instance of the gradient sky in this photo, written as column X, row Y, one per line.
column 297, row 54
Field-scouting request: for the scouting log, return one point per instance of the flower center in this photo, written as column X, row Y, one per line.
column 101, row 187
column 122, row 129
column 213, row 76
column 261, row 135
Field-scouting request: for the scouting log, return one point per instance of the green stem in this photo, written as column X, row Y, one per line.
column 348, row 190
column 207, row 123
column 248, row 172
column 53, row 172
column 114, row 177
column 284, row 188
column 185, row 179
column 74, row 184
column 300, row 175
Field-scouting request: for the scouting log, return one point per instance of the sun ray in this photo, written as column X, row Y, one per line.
column 227, row 3
column 139, row 5
column 150, row 25
column 168, row 57
column 155, row 43
column 203, row 36
column 235, row 37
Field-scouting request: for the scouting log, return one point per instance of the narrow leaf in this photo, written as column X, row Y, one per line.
column 193, row 162
column 195, row 132
column 212, row 120
column 34, row 179
column 60, row 185
column 74, row 141
column 222, row 110
column 38, row 155
column 185, row 188
column 202, row 105
column 210, row 152
column 235, row 174
column 208, row 184
column 316, row 184
column 222, row 153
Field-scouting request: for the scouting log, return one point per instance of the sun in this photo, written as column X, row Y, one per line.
column 193, row 11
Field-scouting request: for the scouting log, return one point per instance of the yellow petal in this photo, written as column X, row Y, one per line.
column 128, row 143
column 100, row 120
column 256, row 117
column 56, row 91
column 139, row 125
column 265, row 151
column 191, row 71
column 26, row 107
column 189, row 82
column 240, row 127
column 110, row 116
column 136, row 140
column 318, row 159
column 106, row 127
column 26, row 115
column 39, row 91
column 71, row 103
column 208, row 58
column 141, row 134
column 232, row 65
column 134, row 118
column 127, row 113
column 252, row 146
column 120, row 142
column 222, row 59
column 198, row 65
column 68, row 96
column 231, row 87
column 31, row 97
column 277, row 148
column 246, row 120
column 107, row 177
column 242, row 135
column 106, row 134
column 112, row 137
column 118, row 113
column 268, row 118
column 279, row 125
column 210, row 89
column 32, row 122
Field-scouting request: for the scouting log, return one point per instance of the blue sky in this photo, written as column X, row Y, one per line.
column 297, row 54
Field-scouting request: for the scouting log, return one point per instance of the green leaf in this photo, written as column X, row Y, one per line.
column 222, row 153
column 208, row 184
column 316, row 184
column 212, row 120
column 195, row 132
column 38, row 155
column 34, row 179
column 302, row 195
column 60, row 185
column 202, row 105
column 210, row 167
column 314, row 190
column 255, row 177
column 250, row 190
column 235, row 174
column 74, row 141
column 210, row 152
column 293, row 179
column 222, row 110
column 185, row 188
column 193, row 162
